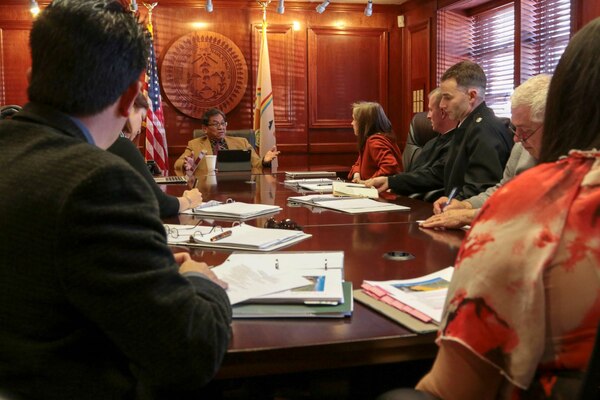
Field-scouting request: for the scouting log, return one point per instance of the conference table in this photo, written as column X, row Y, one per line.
column 261, row 347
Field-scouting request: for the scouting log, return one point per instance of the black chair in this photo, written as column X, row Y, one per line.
column 8, row 111
column 420, row 132
column 247, row 134
column 590, row 387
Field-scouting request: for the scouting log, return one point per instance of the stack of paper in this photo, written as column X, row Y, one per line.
column 236, row 210
column 350, row 205
column 321, row 293
column 321, row 185
column 239, row 237
column 308, row 174
column 354, row 190
column 416, row 303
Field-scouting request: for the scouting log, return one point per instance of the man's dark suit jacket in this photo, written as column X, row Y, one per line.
column 167, row 205
column 478, row 153
column 91, row 302
column 427, row 173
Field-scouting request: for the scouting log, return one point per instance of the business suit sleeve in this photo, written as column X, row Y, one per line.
column 124, row 148
column 119, row 274
column 428, row 173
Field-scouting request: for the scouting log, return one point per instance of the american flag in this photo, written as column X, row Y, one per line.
column 156, row 138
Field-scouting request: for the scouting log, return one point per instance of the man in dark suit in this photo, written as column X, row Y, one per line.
column 477, row 150
column 93, row 303
column 482, row 143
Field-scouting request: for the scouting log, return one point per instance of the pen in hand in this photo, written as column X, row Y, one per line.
column 450, row 197
column 220, row 236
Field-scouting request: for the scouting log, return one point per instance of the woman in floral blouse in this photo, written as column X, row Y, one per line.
column 524, row 304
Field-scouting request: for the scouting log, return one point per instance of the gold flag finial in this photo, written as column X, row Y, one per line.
column 264, row 5
column 150, row 7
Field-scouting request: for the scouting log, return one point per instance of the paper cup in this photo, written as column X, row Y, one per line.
column 211, row 163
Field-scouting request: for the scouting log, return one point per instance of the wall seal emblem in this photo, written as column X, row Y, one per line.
column 202, row 70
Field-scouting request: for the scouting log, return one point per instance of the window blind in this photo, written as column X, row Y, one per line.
column 488, row 38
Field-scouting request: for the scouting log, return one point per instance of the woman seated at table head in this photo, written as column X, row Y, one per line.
column 124, row 148
column 522, row 310
column 378, row 153
column 214, row 125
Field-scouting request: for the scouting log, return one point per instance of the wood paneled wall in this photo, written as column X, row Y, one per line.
column 319, row 69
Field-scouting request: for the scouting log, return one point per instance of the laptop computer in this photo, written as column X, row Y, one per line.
column 234, row 160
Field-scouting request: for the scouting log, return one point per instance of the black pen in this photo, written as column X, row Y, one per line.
column 450, row 197
column 220, row 236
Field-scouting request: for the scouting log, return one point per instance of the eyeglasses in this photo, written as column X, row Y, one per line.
column 523, row 138
column 218, row 124
column 272, row 223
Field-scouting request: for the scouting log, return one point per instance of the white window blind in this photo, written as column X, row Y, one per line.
column 488, row 38
column 545, row 31
column 494, row 51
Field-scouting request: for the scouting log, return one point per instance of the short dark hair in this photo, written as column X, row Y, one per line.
column 85, row 53
column 467, row 74
column 370, row 119
column 211, row 112
column 572, row 119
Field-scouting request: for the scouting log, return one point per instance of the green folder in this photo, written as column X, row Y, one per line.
column 298, row 310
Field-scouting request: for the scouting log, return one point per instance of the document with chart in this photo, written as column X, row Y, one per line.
column 422, row 297
column 323, row 272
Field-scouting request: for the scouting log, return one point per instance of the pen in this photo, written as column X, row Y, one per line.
column 450, row 197
column 220, row 236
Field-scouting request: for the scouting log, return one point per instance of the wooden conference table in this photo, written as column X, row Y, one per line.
column 273, row 346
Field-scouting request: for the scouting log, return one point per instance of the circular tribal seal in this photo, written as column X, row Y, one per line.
column 202, row 70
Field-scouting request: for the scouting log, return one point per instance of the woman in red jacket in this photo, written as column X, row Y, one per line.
column 378, row 153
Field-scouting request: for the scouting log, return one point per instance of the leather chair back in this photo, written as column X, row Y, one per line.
column 420, row 132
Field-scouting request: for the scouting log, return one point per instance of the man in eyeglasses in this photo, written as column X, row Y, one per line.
column 214, row 125
column 528, row 104
column 93, row 303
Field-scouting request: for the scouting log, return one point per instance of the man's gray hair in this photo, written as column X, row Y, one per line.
column 533, row 93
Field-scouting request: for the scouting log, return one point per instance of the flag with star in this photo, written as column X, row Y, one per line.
column 156, row 138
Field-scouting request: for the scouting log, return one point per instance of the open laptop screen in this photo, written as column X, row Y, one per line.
column 234, row 160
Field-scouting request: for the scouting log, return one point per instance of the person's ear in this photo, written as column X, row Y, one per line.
column 28, row 73
column 472, row 93
column 127, row 98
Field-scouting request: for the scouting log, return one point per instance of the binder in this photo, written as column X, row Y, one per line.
column 340, row 310
column 394, row 314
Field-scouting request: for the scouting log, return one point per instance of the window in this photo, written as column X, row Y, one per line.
column 487, row 37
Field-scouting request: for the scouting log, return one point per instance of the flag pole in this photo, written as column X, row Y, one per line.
column 264, row 114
